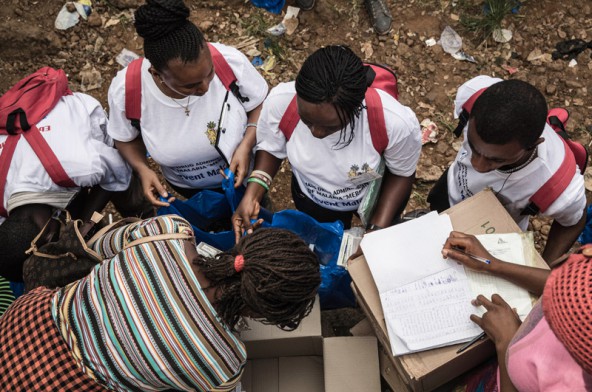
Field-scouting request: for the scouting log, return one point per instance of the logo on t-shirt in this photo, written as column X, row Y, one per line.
column 211, row 132
column 363, row 175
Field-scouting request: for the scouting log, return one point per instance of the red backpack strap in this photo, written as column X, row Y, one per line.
column 133, row 92
column 376, row 120
column 463, row 118
column 554, row 187
column 5, row 160
column 290, row 119
column 225, row 73
column 557, row 118
column 383, row 78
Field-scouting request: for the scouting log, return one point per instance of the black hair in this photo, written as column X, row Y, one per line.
column 510, row 110
column 278, row 282
column 167, row 32
column 336, row 75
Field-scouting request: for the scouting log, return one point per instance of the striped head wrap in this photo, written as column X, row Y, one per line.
column 140, row 320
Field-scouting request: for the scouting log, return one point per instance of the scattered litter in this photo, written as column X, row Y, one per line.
column 537, row 55
column 125, row 57
column 429, row 131
column 253, row 52
column 570, row 49
column 273, row 6
column 452, row 43
column 291, row 19
column 257, row 61
column 112, row 22
column 450, row 40
column 430, row 42
column 288, row 25
column 269, row 63
column 277, row 30
column 90, row 78
column 511, row 70
column 502, row 35
column 464, row 56
column 367, row 50
column 572, row 63
column 71, row 12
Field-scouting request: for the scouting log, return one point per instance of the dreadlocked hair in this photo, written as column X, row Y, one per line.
column 167, row 32
column 336, row 75
column 277, row 284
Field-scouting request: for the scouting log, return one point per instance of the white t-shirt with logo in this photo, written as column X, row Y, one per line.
column 183, row 145
column 514, row 190
column 76, row 132
column 325, row 170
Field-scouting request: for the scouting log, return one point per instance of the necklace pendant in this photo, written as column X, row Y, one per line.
column 187, row 111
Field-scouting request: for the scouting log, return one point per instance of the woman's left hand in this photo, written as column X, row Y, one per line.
column 239, row 164
column 500, row 322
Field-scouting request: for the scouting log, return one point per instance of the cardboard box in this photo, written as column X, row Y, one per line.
column 302, row 360
column 387, row 369
column 427, row 370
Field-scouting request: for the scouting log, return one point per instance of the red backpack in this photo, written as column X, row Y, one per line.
column 23, row 106
column 133, row 84
column 383, row 79
column 575, row 154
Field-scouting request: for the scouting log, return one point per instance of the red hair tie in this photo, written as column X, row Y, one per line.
column 239, row 263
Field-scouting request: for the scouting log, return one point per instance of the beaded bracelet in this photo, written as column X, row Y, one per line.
column 251, row 125
column 258, row 181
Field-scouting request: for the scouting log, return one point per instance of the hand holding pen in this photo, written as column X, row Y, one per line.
column 467, row 250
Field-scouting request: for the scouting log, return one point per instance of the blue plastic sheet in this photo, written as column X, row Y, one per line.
column 208, row 207
column 586, row 235
column 274, row 6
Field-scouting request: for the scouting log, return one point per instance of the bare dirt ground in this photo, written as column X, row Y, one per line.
column 428, row 76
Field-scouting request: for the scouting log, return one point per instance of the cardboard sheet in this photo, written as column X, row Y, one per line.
column 427, row 370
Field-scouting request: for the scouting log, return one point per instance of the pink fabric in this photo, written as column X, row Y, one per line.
column 538, row 361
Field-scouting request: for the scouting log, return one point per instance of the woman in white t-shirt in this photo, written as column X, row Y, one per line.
column 331, row 149
column 75, row 130
column 184, row 106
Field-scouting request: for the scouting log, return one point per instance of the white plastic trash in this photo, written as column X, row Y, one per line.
column 450, row 40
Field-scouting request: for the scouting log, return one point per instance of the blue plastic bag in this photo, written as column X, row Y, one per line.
column 274, row 6
column 586, row 235
column 208, row 207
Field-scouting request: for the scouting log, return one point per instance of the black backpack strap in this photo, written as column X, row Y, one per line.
column 11, row 121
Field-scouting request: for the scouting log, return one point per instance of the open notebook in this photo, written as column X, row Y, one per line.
column 426, row 299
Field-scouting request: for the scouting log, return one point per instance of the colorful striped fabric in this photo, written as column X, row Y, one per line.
column 140, row 321
column 6, row 295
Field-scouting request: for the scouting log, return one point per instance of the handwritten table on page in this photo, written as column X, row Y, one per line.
column 425, row 298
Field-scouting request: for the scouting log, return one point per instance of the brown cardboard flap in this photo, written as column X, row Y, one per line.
column 267, row 341
column 427, row 370
column 299, row 374
column 351, row 364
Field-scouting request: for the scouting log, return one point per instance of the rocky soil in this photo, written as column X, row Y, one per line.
column 428, row 76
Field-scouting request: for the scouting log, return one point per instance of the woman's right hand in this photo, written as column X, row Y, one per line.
column 469, row 244
column 153, row 189
column 241, row 219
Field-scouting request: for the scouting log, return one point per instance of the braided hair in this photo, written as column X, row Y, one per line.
column 277, row 284
column 336, row 75
column 167, row 32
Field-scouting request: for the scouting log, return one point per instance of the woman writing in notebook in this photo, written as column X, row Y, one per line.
column 191, row 124
column 552, row 349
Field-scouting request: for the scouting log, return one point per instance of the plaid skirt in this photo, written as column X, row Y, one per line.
column 33, row 355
